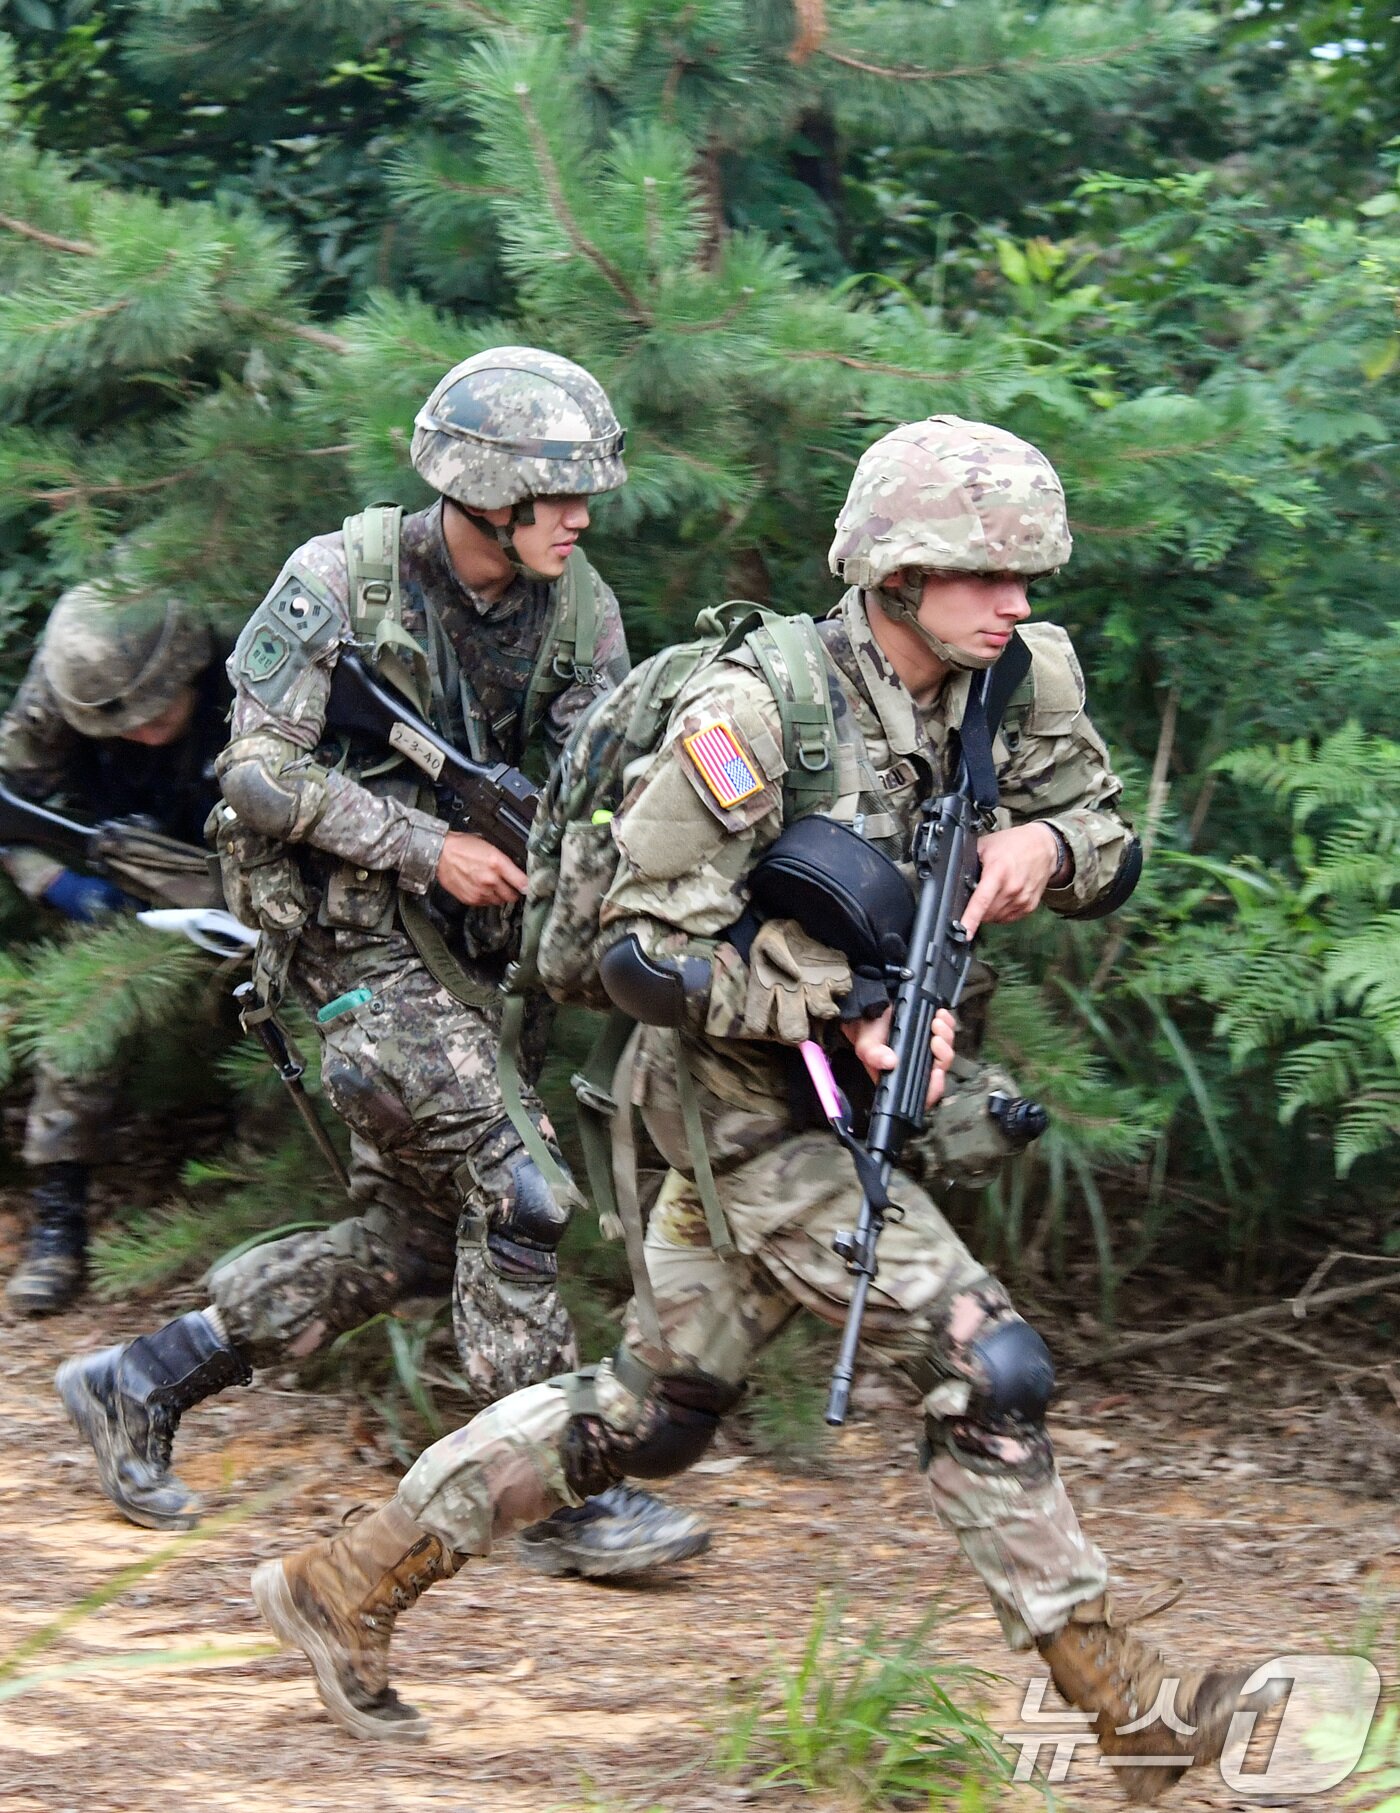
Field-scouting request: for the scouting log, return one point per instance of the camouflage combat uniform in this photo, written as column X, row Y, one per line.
column 409, row 1067
column 931, row 504
column 175, row 787
column 785, row 1194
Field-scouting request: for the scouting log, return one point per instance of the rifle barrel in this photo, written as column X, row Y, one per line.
column 24, row 821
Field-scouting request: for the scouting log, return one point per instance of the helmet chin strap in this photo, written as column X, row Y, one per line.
column 503, row 534
column 902, row 603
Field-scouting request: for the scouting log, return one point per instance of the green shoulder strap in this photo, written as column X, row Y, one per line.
column 797, row 679
column 569, row 646
column 371, row 543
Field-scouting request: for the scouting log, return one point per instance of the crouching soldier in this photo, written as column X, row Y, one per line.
column 946, row 524
column 121, row 716
column 393, row 931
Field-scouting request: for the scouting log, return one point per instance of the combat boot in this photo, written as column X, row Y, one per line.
column 1100, row 1666
column 622, row 1531
column 54, row 1266
column 126, row 1402
column 337, row 1600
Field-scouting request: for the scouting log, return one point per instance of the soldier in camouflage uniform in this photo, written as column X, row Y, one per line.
column 121, row 714
column 946, row 523
column 393, row 932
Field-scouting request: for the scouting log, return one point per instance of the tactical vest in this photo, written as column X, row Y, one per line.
column 433, row 679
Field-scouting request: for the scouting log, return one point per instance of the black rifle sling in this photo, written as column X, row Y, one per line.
column 987, row 699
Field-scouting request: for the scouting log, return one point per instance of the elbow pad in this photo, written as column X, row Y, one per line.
column 654, row 990
column 1119, row 890
column 267, row 794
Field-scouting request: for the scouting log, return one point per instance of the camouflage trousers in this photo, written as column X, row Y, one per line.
column 70, row 1118
column 784, row 1196
column 434, row 1160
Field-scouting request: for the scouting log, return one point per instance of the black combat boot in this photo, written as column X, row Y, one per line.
column 127, row 1401
column 54, row 1266
column 622, row 1531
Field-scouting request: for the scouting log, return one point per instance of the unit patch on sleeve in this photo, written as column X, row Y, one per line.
column 265, row 652
column 723, row 763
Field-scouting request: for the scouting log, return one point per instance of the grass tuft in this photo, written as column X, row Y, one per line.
column 873, row 1721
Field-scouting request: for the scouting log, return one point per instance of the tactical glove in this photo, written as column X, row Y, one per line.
column 85, row 898
column 793, row 980
column 868, row 998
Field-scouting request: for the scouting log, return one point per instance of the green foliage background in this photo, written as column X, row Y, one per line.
column 239, row 242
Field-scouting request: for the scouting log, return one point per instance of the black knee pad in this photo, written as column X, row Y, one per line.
column 1016, row 1375
column 677, row 1423
column 1003, row 1428
column 529, row 1224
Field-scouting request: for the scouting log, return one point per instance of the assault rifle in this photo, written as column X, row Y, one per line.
column 24, row 822
column 496, row 800
column 931, row 973
column 142, row 861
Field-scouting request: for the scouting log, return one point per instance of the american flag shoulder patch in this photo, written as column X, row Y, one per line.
column 723, row 763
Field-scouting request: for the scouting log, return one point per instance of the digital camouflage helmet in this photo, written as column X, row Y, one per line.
column 951, row 496
column 117, row 658
column 513, row 424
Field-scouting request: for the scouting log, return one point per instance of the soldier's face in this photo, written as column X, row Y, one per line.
column 167, row 726
column 546, row 543
column 974, row 612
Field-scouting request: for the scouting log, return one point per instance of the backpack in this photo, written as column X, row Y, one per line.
column 573, row 860
column 573, row 857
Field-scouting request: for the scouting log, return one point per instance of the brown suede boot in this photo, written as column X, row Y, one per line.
column 1098, row 1665
column 336, row 1601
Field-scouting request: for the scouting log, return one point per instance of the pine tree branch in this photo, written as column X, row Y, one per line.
column 67, row 494
column 469, row 7
column 999, row 66
column 78, row 492
column 80, row 247
column 316, row 336
column 811, row 29
column 876, row 365
column 554, row 186
column 732, row 313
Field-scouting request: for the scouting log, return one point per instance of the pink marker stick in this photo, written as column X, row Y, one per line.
column 819, row 1069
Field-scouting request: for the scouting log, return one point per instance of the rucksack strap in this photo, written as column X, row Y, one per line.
column 804, row 708
column 569, row 650
column 371, row 541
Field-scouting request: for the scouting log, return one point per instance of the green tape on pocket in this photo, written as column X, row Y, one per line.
column 343, row 1004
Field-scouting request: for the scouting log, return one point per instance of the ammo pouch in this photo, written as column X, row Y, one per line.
column 262, row 883
column 965, row 1144
column 358, row 900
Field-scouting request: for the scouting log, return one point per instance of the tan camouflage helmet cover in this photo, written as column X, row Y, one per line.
column 116, row 659
column 954, row 496
column 515, row 423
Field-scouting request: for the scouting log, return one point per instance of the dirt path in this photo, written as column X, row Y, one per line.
column 549, row 1695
